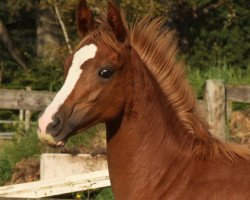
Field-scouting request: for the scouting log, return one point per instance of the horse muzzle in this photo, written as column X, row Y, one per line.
column 50, row 140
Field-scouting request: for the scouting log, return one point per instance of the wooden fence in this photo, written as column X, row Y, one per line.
column 25, row 101
column 216, row 106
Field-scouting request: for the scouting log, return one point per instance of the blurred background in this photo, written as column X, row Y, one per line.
column 36, row 36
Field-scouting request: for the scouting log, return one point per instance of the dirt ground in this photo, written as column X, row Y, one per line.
column 28, row 170
column 240, row 127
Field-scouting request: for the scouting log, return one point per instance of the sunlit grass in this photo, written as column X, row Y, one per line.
column 232, row 75
column 26, row 145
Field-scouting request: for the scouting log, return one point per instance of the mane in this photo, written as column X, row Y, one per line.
column 157, row 48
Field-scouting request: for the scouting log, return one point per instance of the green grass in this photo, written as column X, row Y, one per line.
column 26, row 145
column 3, row 143
column 83, row 138
column 5, row 171
column 97, row 194
column 23, row 145
column 232, row 75
column 105, row 194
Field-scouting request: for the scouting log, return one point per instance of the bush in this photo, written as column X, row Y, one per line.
column 100, row 194
column 5, row 171
column 105, row 194
column 26, row 145
column 232, row 75
column 23, row 145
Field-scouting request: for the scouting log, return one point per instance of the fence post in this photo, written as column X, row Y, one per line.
column 21, row 115
column 27, row 115
column 229, row 110
column 215, row 100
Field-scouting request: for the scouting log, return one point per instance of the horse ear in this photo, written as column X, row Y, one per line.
column 115, row 21
column 84, row 18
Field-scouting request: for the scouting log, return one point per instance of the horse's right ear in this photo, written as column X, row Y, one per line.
column 84, row 18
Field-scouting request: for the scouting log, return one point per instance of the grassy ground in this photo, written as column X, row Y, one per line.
column 3, row 143
column 26, row 145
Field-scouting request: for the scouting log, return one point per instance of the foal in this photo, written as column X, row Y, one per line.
column 158, row 147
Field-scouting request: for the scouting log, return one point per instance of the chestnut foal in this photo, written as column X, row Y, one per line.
column 158, row 147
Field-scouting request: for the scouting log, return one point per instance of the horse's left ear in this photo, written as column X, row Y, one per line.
column 115, row 21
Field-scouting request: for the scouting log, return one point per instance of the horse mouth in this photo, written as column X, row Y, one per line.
column 50, row 140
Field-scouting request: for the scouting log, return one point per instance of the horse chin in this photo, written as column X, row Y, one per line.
column 50, row 140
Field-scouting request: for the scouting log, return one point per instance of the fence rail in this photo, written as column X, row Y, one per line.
column 59, row 186
column 216, row 105
column 25, row 100
column 238, row 93
column 7, row 135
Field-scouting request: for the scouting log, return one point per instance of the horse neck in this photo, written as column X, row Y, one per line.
column 143, row 142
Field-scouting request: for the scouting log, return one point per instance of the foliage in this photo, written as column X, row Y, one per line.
column 5, row 170
column 138, row 8
column 232, row 75
column 83, row 138
column 26, row 145
column 105, row 194
column 209, row 35
column 212, row 33
column 20, row 19
column 10, row 115
column 22, row 146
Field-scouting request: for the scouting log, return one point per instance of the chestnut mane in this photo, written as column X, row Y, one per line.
column 157, row 48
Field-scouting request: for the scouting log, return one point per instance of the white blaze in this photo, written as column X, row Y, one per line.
column 81, row 56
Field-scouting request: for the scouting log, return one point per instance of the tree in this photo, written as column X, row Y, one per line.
column 15, row 53
column 49, row 35
column 212, row 32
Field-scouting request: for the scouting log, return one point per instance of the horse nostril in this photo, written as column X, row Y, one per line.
column 56, row 122
column 55, row 126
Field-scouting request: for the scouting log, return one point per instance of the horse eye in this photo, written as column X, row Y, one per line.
column 105, row 73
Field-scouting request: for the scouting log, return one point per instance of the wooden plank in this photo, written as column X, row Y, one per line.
column 238, row 93
column 69, row 164
column 27, row 115
column 13, row 122
column 25, row 100
column 229, row 110
column 6, row 135
column 8, row 122
column 47, row 188
column 21, row 115
column 216, row 108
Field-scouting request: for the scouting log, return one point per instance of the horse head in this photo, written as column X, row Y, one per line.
column 96, row 71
